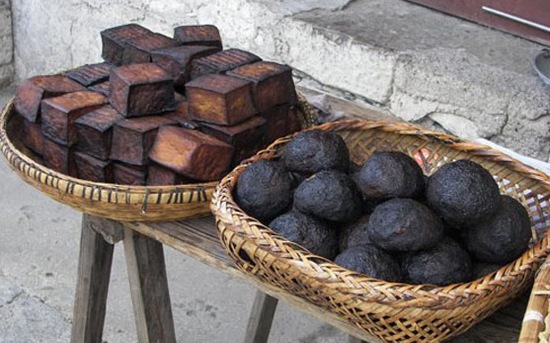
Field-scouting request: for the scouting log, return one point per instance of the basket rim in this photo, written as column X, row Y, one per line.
column 395, row 294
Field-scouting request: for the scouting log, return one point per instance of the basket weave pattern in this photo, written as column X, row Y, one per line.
column 394, row 312
column 108, row 200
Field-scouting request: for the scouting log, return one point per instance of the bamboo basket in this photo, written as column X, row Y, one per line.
column 112, row 201
column 536, row 322
column 392, row 312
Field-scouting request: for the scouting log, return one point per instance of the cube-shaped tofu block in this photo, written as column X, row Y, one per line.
column 90, row 74
column 33, row 137
column 221, row 62
column 220, row 99
column 272, row 83
column 177, row 60
column 133, row 138
column 31, row 92
column 125, row 174
column 280, row 121
column 114, row 41
column 103, row 88
column 158, row 175
column 198, row 35
column 141, row 89
column 181, row 116
column 93, row 169
column 59, row 157
column 246, row 137
column 59, row 114
column 138, row 49
column 191, row 153
column 95, row 131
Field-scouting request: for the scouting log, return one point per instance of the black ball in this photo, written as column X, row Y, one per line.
column 354, row 233
column 504, row 236
column 264, row 190
column 370, row 260
column 316, row 150
column 330, row 195
column 463, row 193
column 313, row 234
column 390, row 174
column 404, row 225
column 442, row 265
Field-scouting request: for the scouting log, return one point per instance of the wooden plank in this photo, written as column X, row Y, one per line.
column 94, row 271
column 198, row 238
column 261, row 318
column 149, row 289
column 111, row 231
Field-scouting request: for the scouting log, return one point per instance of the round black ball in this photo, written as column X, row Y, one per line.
column 504, row 236
column 404, row 225
column 311, row 233
column 354, row 233
column 370, row 260
column 264, row 190
column 330, row 195
column 463, row 193
column 316, row 150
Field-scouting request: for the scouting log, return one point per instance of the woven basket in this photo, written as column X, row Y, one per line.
column 393, row 312
column 119, row 202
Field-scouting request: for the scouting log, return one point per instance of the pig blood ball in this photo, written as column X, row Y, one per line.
column 370, row 260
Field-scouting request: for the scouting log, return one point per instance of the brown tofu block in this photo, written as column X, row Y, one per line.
column 272, row 83
column 138, row 49
column 103, row 88
column 191, row 153
column 221, row 62
column 246, row 137
column 141, row 89
column 181, row 116
column 59, row 157
column 158, row 175
column 31, row 92
column 90, row 74
column 95, row 131
column 198, row 35
column 280, row 121
column 133, row 138
column 177, row 60
column 220, row 99
column 114, row 40
column 124, row 174
column 32, row 137
column 93, row 169
column 59, row 114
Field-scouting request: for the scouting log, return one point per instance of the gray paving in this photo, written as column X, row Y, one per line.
column 38, row 264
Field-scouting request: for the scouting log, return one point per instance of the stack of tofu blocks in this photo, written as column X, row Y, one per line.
column 158, row 110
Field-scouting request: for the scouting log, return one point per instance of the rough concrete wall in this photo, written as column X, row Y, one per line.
column 6, row 44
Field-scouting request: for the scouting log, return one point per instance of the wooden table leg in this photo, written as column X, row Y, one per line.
column 94, row 272
column 261, row 318
column 149, row 288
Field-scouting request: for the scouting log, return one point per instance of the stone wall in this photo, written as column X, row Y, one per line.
column 6, row 43
column 471, row 92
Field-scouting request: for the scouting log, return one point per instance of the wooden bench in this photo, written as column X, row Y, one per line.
column 198, row 238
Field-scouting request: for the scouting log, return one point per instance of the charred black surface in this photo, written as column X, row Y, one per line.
column 445, row 264
column 404, row 225
column 354, row 233
column 330, row 195
column 504, row 236
column 313, row 234
column 264, row 190
column 313, row 151
column 369, row 260
column 390, row 174
column 481, row 269
column 463, row 193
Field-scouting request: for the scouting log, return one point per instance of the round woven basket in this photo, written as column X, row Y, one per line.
column 393, row 312
column 112, row 201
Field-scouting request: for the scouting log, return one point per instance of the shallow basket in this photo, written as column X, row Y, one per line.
column 108, row 200
column 393, row 312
